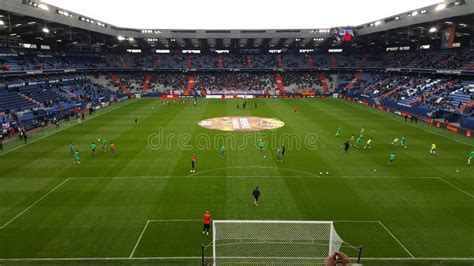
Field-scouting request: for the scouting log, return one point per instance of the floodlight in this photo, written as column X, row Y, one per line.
column 440, row 7
column 45, row 30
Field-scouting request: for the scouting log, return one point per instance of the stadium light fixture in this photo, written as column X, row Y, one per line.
column 440, row 7
column 378, row 22
column 131, row 39
column 120, row 38
column 433, row 29
column 414, row 13
column 2, row 23
column 43, row 6
column 397, row 18
column 45, row 30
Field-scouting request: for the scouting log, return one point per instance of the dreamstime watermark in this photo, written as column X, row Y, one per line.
column 162, row 140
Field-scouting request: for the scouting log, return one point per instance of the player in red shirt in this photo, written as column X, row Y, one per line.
column 193, row 163
column 207, row 223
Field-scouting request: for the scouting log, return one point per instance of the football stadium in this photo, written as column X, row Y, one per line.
column 236, row 132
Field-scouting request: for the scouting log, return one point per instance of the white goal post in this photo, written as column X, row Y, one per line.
column 272, row 242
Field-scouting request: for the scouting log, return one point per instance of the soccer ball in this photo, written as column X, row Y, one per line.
column 320, row 173
column 98, row 139
column 264, row 157
column 457, row 170
column 327, row 173
column 375, row 170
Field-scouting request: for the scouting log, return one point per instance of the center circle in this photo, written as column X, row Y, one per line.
column 241, row 123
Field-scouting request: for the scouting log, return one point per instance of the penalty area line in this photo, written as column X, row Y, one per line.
column 396, row 239
column 139, row 238
column 456, row 187
column 34, row 203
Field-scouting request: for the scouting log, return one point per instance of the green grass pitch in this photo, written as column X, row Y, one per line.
column 145, row 207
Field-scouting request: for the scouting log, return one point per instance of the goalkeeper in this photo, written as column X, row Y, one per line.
column 207, row 223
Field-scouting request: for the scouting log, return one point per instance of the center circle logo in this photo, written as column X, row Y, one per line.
column 241, row 123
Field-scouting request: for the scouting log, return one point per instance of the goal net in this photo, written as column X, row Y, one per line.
column 273, row 242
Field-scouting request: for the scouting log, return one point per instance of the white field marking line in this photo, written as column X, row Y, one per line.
column 195, row 258
column 34, row 203
column 252, row 166
column 422, row 128
column 73, row 124
column 456, row 187
column 174, row 220
column 355, row 221
column 386, row 177
column 139, row 238
column 254, row 176
column 155, row 221
column 396, row 239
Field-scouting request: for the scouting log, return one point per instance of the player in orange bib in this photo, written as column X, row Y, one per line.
column 112, row 149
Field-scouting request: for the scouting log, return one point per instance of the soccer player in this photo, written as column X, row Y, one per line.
column 362, row 130
column 261, row 145
column 104, row 145
column 207, row 223
column 193, row 163
column 256, row 195
column 112, row 149
column 391, row 157
column 93, row 148
column 283, row 148
column 279, row 155
column 471, row 157
column 255, row 105
column 71, row 149
column 338, row 132
column 346, row 146
column 433, row 149
column 351, row 140
column 136, row 120
column 76, row 157
column 403, row 142
column 358, row 141
column 222, row 151
column 368, row 145
column 395, row 142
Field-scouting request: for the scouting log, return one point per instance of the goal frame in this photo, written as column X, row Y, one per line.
column 214, row 222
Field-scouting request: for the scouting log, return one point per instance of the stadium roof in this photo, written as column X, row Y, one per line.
column 241, row 15
column 39, row 23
